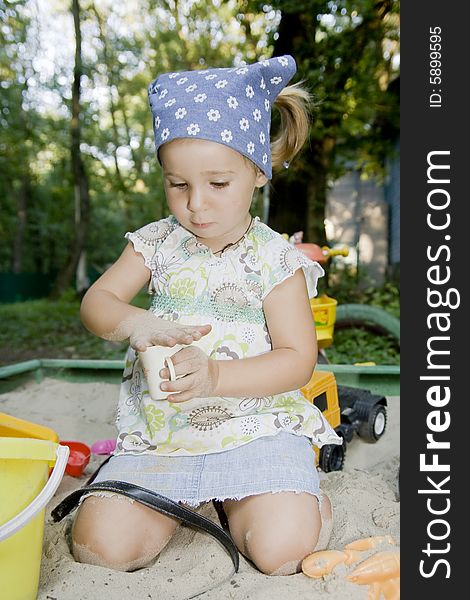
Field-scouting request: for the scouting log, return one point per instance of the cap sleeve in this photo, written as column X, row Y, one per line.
column 281, row 260
column 147, row 239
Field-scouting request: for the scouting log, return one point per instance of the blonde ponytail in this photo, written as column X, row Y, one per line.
column 293, row 104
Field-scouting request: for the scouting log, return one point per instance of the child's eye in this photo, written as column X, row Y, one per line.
column 220, row 184
column 178, row 185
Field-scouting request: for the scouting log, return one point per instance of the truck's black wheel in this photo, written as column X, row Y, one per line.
column 332, row 457
column 374, row 428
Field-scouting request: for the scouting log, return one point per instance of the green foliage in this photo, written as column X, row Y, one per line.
column 347, row 288
column 123, row 49
column 359, row 345
column 344, row 51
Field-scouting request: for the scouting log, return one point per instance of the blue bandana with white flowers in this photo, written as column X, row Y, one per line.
column 231, row 106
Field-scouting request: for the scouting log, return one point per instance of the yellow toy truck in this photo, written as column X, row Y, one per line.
column 348, row 410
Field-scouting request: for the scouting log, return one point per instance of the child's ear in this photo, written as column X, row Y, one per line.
column 261, row 179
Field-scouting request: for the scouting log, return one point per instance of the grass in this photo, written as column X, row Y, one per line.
column 45, row 329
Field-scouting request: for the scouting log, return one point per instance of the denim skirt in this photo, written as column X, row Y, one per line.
column 282, row 462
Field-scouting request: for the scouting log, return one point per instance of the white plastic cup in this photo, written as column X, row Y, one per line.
column 153, row 360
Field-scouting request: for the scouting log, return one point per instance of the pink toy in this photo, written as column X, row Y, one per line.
column 103, row 446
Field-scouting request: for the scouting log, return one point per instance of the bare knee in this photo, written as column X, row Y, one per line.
column 307, row 531
column 99, row 553
column 276, row 531
column 118, row 534
column 279, row 552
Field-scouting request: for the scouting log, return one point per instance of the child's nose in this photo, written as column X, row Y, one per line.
column 195, row 200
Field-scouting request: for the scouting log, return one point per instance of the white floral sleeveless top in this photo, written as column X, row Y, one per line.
column 191, row 285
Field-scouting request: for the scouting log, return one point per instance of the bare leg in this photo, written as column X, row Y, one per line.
column 117, row 533
column 326, row 514
column 277, row 531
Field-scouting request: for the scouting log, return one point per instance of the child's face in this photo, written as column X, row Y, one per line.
column 209, row 188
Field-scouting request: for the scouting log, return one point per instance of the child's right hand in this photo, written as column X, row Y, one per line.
column 148, row 330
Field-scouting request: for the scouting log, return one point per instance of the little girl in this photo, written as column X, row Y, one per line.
column 235, row 427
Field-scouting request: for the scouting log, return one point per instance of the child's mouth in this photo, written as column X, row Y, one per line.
column 201, row 225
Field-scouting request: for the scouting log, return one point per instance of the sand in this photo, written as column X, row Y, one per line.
column 364, row 497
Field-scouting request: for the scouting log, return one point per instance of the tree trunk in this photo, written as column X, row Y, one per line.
column 298, row 200
column 24, row 192
column 113, row 83
column 21, row 220
column 314, row 231
column 298, row 204
column 287, row 211
column 81, row 189
column 317, row 189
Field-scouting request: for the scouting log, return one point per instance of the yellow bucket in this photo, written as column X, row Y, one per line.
column 24, row 492
column 13, row 427
column 324, row 314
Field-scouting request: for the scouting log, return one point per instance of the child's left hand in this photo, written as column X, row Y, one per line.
column 197, row 373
